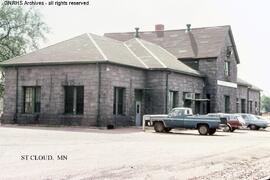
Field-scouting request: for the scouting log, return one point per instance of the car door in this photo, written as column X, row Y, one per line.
column 175, row 119
column 189, row 122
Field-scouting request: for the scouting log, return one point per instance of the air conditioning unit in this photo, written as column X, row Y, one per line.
column 189, row 96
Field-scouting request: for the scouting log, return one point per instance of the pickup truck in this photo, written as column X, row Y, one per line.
column 184, row 118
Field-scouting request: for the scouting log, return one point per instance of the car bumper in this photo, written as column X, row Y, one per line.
column 222, row 126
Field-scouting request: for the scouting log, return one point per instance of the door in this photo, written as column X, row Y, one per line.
column 138, row 113
column 175, row 118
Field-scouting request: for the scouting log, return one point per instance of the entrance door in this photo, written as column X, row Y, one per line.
column 138, row 113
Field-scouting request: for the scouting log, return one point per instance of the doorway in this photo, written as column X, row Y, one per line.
column 138, row 113
column 138, row 107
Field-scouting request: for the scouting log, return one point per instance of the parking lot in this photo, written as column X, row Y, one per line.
column 129, row 153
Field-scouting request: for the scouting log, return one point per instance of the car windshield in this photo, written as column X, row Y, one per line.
column 244, row 116
column 252, row 117
column 176, row 112
column 239, row 118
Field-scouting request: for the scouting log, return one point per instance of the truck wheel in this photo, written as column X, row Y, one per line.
column 212, row 131
column 167, row 130
column 203, row 129
column 159, row 127
column 253, row 127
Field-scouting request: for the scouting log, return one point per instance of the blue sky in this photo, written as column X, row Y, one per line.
column 249, row 20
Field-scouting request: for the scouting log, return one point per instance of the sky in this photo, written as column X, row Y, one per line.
column 249, row 20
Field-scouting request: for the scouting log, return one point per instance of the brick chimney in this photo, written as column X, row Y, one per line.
column 159, row 28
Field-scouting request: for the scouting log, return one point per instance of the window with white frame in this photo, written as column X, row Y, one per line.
column 227, row 68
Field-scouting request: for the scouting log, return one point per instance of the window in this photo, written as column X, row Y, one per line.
column 256, row 107
column 208, row 105
column 118, row 101
column 243, row 106
column 74, row 97
column 31, row 100
column 194, row 64
column 227, row 104
column 173, row 96
column 197, row 104
column 250, row 106
column 237, row 105
column 227, row 68
column 176, row 112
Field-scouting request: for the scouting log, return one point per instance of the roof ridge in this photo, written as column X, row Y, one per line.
column 138, row 58
column 170, row 54
column 196, row 28
column 151, row 53
column 97, row 46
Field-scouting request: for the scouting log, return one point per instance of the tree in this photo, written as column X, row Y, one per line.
column 266, row 103
column 21, row 30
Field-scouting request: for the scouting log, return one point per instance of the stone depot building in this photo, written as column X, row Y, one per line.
column 115, row 79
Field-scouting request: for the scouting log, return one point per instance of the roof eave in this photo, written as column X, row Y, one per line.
column 197, row 58
column 51, row 63
column 234, row 46
column 178, row 71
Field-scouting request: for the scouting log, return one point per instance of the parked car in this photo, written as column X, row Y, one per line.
column 263, row 118
column 253, row 122
column 234, row 121
column 184, row 118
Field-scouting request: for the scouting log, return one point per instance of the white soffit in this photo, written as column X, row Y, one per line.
column 227, row 84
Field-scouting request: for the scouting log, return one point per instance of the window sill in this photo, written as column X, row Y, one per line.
column 119, row 114
column 30, row 113
column 67, row 114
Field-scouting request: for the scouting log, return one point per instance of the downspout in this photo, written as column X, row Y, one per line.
column 98, row 100
column 166, row 93
column 259, row 104
column 17, row 95
column 247, row 99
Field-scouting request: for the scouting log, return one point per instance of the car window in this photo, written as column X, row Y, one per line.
column 176, row 112
column 252, row 117
column 189, row 112
column 244, row 116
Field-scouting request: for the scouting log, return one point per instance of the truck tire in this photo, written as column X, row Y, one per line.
column 203, row 129
column 212, row 131
column 167, row 130
column 159, row 127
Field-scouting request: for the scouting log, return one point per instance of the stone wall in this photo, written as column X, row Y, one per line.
column 244, row 92
column 209, row 68
column 254, row 96
column 124, row 77
column 52, row 80
column 185, row 83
